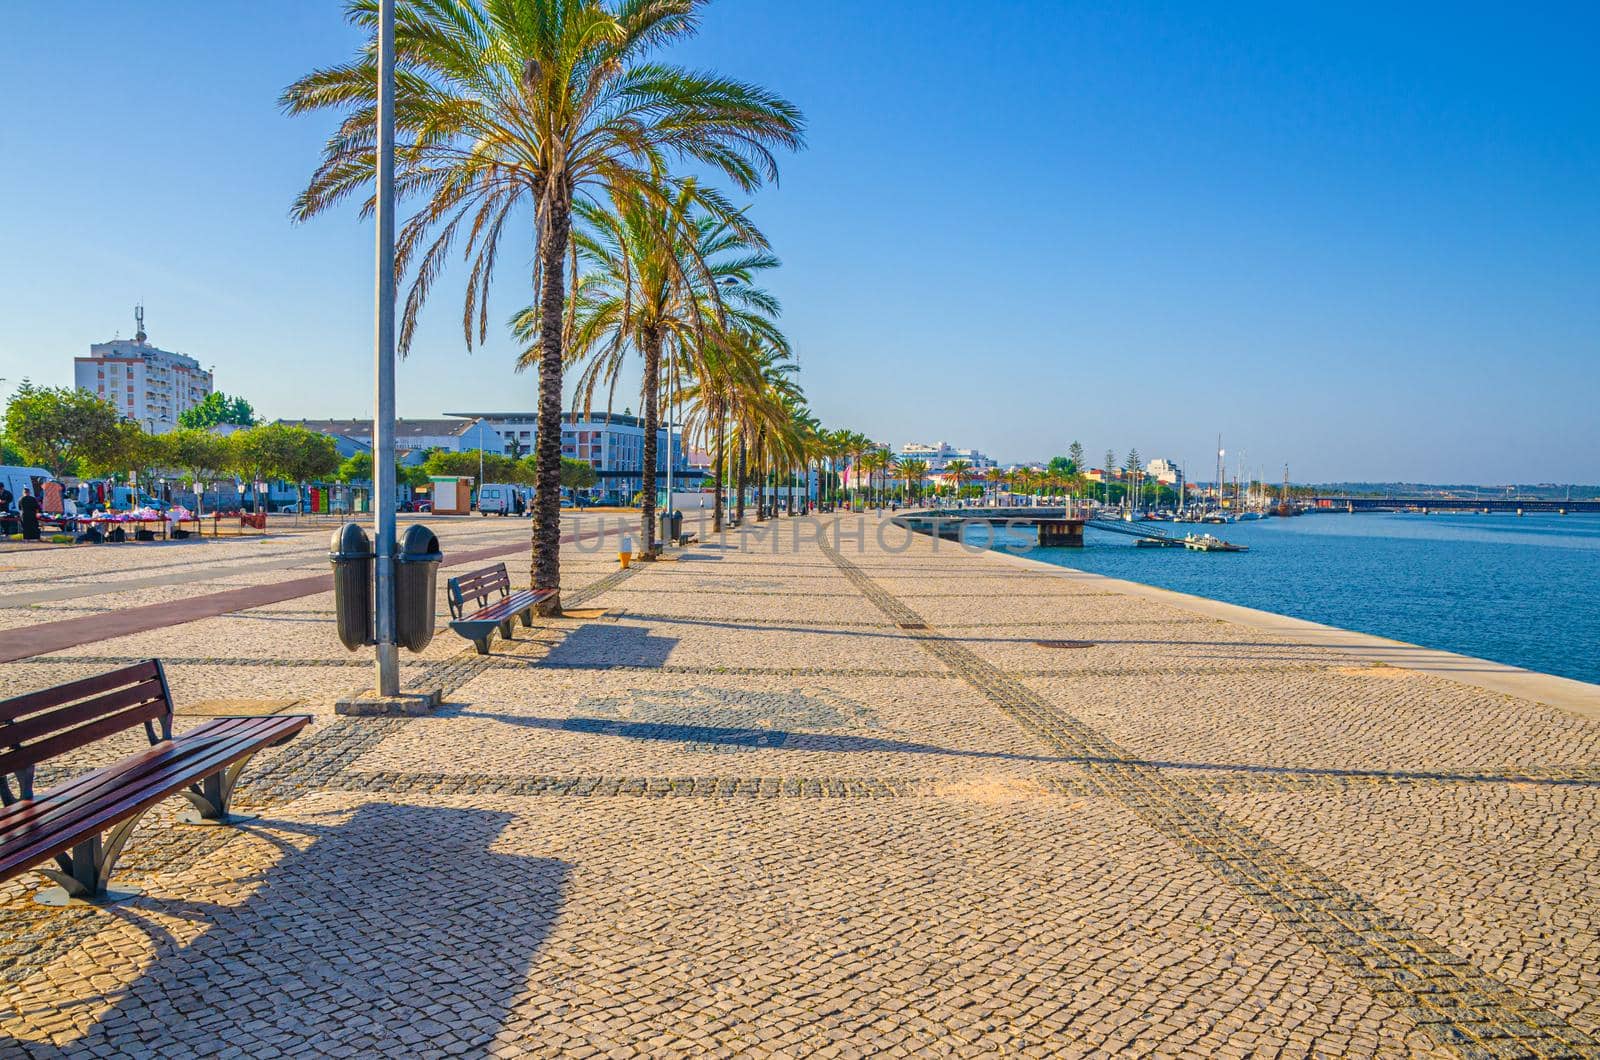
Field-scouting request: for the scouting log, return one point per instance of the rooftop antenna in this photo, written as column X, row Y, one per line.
column 138, row 324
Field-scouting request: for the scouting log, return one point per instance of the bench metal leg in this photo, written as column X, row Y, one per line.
column 508, row 629
column 210, row 798
column 88, row 870
column 527, row 619
column 482, row 644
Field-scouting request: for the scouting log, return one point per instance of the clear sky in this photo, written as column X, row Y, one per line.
column 1360, row 239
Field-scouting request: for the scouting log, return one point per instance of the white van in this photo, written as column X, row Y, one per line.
column 18, row 479
column 499, row 498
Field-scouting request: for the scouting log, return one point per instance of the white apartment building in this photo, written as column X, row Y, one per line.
column 148, row 385
column 937, row 455
column 1165, row 472
column 415, row 436
column 611, row 443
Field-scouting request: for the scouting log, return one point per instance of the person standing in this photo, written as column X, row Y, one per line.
column 29, row 506
column 5, row 498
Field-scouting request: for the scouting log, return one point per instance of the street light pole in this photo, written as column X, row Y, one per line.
column 383, row 428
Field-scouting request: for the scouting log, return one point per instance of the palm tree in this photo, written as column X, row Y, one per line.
column 958, row 473
column 997, row 476
column 874, row 462
column 507, row 104
column 658, row 275
column 727, row 371
column 913, row 472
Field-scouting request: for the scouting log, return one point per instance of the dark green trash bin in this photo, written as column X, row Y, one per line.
column 416, row 567
column 350, row 551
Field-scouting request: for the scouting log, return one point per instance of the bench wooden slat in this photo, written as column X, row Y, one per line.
column 62, row 718
column 511, row 606
column 41, row 726
column 56, row 807
column 197, row 755
column 12, row 817
column 131, row 771
column 84, row 687
column 50, row 747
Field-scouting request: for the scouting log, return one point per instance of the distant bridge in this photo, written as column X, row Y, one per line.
column 1451, row 504
column 1057, row 526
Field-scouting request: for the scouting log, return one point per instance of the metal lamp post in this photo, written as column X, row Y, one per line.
column 388, row 652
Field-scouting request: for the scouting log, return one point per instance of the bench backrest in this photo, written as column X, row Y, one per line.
column 478, row 585
column 42, row 725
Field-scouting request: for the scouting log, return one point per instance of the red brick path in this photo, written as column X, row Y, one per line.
column 47, row 637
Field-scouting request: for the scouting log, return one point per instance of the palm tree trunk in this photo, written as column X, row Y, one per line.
column 716, row 472
column 761, row 475
column 652, row 422
column 738, row 504
column 557, row 210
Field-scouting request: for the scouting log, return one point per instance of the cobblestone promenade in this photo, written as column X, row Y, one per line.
column 825, row 796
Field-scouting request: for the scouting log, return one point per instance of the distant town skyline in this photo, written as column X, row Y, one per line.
column 1356, row 241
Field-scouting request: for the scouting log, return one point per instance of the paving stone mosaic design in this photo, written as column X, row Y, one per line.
column 1456, row 1004
column 835, row 802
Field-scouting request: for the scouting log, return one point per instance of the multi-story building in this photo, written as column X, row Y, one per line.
column 413, row 436
column 613, row 444
column 1164, row 471
column 146, row 384
column 937, row 455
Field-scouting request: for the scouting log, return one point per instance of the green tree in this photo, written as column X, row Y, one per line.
column 284, row 452
column 357, row 467
column 57, row 428
column 312, row 457
column 1061, row 465
column 1075, row 454
column 496, row 467
column 134, row 450
column 200, row 455
column 264, row 452
column 503, row 105
column 218, row 408
column 578, row 474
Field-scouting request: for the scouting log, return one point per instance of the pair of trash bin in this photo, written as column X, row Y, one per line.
column 416, row 566
column 670, row 527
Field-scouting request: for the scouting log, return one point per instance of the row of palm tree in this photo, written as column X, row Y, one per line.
column 562, row 108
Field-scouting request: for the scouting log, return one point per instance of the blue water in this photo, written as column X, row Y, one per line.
column 1519, row 590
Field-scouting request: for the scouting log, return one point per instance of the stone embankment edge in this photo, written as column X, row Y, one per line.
column 1575, row 697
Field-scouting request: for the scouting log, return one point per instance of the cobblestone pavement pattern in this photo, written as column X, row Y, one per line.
column 822, row 792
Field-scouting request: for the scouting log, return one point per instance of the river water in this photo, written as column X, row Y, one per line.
column 1519, row 590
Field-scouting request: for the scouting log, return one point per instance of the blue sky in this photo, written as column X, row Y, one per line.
column 1358, row 241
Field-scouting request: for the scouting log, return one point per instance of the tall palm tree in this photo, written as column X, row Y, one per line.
column 874, row 462
column 658, row 275
column 502, row 105
column 728, row 371
column 913, row 471
column 997, row 476
column 958, row 473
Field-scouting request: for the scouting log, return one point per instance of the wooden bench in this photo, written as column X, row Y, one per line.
column 480, row 586
column 84, row 823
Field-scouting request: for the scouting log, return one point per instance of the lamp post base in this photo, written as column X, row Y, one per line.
column 366, row 702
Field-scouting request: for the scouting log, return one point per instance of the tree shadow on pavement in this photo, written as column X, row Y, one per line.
column 755, row 737
column 400, row 930
column 612, row 645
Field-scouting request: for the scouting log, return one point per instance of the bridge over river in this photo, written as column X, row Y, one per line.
column 1453, row 504
column 1058, row 526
